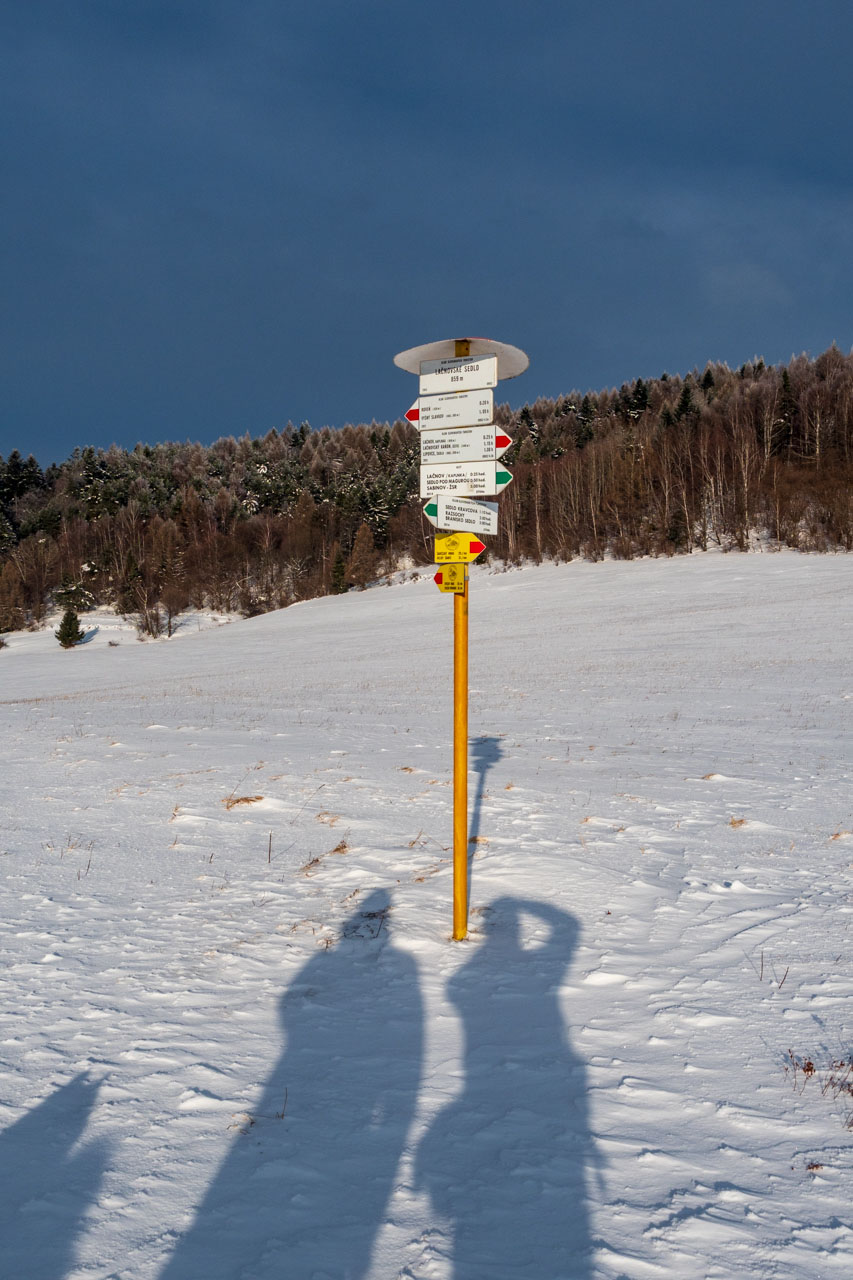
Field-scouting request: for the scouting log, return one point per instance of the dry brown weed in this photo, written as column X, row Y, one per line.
column 231, row 802
column 330, row 818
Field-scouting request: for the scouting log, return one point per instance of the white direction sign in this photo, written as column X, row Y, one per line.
column 464, row 374
column 455, row 409
column 463, row 444
column 470, row 479
column 462, row 513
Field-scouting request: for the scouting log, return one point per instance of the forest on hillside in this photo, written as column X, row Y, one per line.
column 657, row 467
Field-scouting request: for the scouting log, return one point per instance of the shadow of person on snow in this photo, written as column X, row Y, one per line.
column 47, row 1182
column 303, row 1191
column 506, row 1163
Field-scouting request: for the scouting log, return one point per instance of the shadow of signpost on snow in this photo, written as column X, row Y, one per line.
column 485, row 753
column 47, row 1183
column 506, row 1163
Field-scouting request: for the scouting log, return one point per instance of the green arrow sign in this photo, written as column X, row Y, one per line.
column 466, row 479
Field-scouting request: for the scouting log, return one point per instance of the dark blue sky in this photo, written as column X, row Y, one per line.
column 219, row 215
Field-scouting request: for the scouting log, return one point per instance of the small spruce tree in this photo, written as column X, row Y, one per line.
column 69, row 632
column 684, row 407
column 640, row 398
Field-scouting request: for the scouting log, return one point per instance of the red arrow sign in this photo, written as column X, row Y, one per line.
column 451, row 579
column 457, row 548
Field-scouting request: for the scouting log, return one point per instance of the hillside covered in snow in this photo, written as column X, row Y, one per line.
column 237, row 1041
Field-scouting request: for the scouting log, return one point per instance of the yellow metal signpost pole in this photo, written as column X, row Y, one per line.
column 455, row 391
column 460, row 763
column 460, row 747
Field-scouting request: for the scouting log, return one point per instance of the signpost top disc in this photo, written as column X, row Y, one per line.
column 511, row 360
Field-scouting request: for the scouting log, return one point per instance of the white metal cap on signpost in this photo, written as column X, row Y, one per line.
column 511, row 360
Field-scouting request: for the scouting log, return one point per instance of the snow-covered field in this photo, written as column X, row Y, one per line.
column 237, row 1043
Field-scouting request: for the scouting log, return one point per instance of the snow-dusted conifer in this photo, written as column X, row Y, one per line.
column 69, row 632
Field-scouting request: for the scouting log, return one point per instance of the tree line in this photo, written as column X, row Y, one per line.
column 657, row 467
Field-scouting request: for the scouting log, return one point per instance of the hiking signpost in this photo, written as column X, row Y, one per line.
column 460, row 448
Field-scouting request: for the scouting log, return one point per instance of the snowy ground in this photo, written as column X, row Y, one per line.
column 236, row 1041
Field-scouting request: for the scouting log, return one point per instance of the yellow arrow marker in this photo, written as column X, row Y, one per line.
column 452, row 578
column 458, row 548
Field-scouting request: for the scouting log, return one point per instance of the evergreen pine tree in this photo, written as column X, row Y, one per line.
column 526, row 419
column 7, row 534
column 69, row 632
column 73, row 595
column 685, row 404
column 339, row 574
column 640, row 398
column 583, row 431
